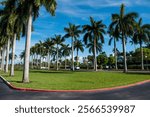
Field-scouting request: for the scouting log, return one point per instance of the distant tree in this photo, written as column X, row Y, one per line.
column 114, row 36
column 90, row 58
column 74, row 32
column 79, row 47
column 111, row 60
column 58, row 41
column 140, row 36
column 102, row 59
column 66, row 50
column 146, row 54
column 49, row 45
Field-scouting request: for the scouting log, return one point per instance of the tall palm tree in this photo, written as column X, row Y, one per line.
column 58, row 41
column 66, row 50
column 31, row 10
column 94, row 33
column 73, row 32
column 39, row 50
column 5, row 32
column 79, row 47
column 2, row 50
column 140, row 36
column 3, row 57
column 36, row 54
column 19, row 29
column 48, row 44
column 114, row 37
column 14, row 26
column 32, row 53
column 123, row 25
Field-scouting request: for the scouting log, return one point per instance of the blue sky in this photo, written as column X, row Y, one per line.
column 78, row 12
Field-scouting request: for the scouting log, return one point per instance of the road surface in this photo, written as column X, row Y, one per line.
column 139, row 92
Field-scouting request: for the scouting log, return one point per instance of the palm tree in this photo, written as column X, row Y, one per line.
column 114, row 36
column 32, row 53
column 79, row 47
column 66, row 50
column 48, row 44
column 36, row 54
column 58, row 40
column 123, row 25
column 14, row 26
column 2, row 52
column 31, row 10
column 5, row 32
column 73, row 32
column 141, row 34
column 39, row 50
column 19, row 29
column 94, row 33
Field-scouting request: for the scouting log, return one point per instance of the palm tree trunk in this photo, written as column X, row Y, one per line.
column 40, row 61
column 7, row 56
column 32, row 61
column 95, row 59
column 77, row 57
column 3, row 58
column 48, row 60
column 72, row 54
column 37, row 62
column 27, row 48
column 65, row 63
column 115, row 54
column 57, row 58
column 124, row 53
column 13, row 55
column 142, row 58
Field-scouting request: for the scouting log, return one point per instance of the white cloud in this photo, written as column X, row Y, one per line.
column 75, row 9
column 102, row 3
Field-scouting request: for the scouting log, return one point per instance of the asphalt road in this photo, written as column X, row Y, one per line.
column 139, row 92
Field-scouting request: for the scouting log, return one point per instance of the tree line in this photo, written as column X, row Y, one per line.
column 16, row 17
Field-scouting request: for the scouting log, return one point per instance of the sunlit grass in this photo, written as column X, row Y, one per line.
column 68, row 80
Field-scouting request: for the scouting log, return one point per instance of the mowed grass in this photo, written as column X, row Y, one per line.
column 67, row 80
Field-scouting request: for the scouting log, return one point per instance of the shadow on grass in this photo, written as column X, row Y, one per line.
column 53, row 72
column 19, row 82
column 139, row 73
column 5, row 75
column 16, row 81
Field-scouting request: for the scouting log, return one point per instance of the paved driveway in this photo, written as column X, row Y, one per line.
column 139, row 92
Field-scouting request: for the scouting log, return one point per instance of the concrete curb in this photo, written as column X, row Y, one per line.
column 91, row 90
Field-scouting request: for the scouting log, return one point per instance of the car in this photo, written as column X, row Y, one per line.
column 76, row 68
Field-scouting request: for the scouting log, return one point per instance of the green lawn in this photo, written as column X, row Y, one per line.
column 65, row 80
